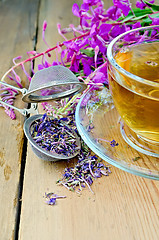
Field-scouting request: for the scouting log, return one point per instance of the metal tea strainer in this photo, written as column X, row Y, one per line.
column 51, row 83
column 48, row 84
column 39, row 151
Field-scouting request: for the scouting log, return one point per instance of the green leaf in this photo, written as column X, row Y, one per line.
column 135, row 14
column 152, row 6
column 140, row 17
column 139, row 12
column 89, row 52
column 146, row 21
column 125, row 19
column 154, row 15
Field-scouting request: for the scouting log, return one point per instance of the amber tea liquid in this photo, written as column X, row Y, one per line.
column 140, row 112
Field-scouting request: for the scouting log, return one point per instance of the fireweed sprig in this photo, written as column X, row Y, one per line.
column 85, row 53
column 12, row 75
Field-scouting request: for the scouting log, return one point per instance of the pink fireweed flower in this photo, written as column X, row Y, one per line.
column 14, row 59
column 44, row 25
column 155, row 21
column 142, row 5
column 124, row 5
column 43, row 33
column 59, row 31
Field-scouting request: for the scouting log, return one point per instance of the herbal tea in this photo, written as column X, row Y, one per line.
column 140, row 112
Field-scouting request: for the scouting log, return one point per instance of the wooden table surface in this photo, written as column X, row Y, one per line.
column 124, row 206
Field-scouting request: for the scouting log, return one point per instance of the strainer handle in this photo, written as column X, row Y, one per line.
column 24, row 111
column 22, row 90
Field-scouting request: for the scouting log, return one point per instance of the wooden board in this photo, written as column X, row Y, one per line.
column 124, row 206
column 17, row 31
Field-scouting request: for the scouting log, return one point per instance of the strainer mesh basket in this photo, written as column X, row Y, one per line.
column 53, row 83
column 56, row 74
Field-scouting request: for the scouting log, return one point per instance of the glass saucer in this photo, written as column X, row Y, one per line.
column 99, row 125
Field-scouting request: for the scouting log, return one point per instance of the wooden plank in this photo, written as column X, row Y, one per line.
column 18, row 25
column 123, row 206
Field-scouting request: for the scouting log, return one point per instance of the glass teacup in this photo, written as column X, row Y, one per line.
column 133, row 72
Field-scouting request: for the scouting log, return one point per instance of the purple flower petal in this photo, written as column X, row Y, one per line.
column 101, row 76
column 124, row 5
column 51, row 201
column 117, row 30
column 97, row 173
column 93, row 30
column 89, row 180
column 85, row 7
column 113, row 13
column 136, row 25
column 113, row 143
column 155, row 21
column 104, row 29
column 75, row 10
column 86, row 67
column 140, row 4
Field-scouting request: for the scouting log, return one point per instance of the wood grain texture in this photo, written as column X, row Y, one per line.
column 124, row 206
column 17, row 31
